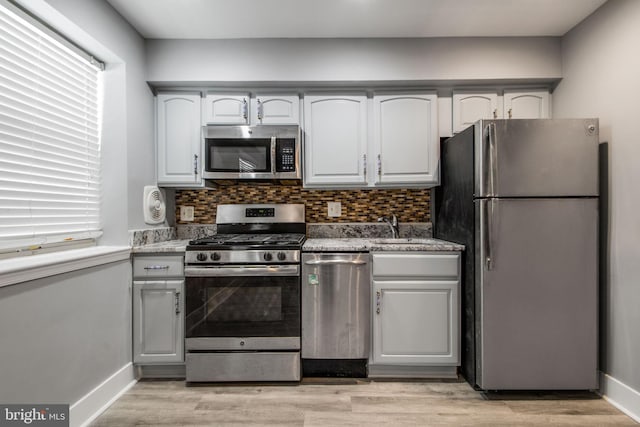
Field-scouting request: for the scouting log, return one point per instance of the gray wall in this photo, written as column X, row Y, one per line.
column 353, row 60
column 62, row 336
column 601, row 78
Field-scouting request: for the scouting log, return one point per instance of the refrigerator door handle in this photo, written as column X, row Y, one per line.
column 493, row 159
column 487, row 232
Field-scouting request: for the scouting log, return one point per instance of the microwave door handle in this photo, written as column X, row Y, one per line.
column 273, row 154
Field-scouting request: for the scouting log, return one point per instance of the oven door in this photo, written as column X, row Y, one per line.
column 242, row 308
column 237, row 158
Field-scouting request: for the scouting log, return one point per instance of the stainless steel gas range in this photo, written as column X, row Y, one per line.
column 243, row 296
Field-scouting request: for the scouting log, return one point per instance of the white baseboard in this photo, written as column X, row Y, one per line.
column 621, row 396
column 90, row 406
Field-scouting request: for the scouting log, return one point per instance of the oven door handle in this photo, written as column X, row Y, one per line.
column 249, row 270
column 335, row 262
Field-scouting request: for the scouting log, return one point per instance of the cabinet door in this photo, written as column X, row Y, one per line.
column 526, row 105
column 416, row 322
column 468, row 107
column 335, row 140
column 223, row 109
column 406, row 139
column 178, row 139
column 275, row 110
column 158, row 321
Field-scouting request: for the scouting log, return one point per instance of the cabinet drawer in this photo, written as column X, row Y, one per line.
column 416, row 264
column 158, row 266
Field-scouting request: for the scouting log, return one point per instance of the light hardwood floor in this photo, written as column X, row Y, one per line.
column 326, row 402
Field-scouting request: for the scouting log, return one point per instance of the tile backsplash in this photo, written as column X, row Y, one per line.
column 409, row 205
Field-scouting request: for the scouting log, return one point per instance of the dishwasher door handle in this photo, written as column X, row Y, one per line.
column 335, row 262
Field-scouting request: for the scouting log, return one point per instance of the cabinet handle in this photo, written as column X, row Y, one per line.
column 195, row 164
column 157, row 267
column 364, row 165
column 510, row 112
column 379, row 166
column 260, row 110
column 378, row 297
column 177, row 302
column 495, row 113
column 244, row 108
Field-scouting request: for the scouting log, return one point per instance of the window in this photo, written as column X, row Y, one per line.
column 49, row 138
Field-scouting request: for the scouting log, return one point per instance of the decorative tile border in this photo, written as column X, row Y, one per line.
column 409, row 205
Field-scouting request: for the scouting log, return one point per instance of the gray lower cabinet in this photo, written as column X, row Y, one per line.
column 415, row 313
column 158, row 306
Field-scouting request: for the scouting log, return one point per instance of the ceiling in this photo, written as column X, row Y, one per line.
column 229, row 19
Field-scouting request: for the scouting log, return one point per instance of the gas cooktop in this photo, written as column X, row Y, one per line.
column 229, row 241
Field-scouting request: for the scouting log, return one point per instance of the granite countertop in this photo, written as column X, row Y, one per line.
column 351, row 244
column 379, row 244
column 169, row 246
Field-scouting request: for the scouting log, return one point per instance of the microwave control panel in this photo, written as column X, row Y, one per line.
column 285, row 155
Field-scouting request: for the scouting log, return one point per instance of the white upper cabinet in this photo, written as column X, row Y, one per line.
column 226, row 109
column 275, row 110
column 335, row 140
column 405, row 131
column 179, row 120
column 526, row 104
column 469, row 107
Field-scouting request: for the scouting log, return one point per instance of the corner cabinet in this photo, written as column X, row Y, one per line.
column 406, row 139
column 158, row 310
column 416, row 314
column 470, row 106
column 335, row 140
column 526, row 105
column 178, row 133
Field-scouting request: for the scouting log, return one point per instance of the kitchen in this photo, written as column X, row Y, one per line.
column 591, row 65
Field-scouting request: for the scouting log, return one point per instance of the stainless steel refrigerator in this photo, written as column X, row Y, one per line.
column 522, row 196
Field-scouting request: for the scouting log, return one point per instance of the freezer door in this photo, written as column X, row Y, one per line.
column 536, row 158
column 536, row 294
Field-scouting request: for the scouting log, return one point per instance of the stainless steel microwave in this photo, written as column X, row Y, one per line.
column 252, row 152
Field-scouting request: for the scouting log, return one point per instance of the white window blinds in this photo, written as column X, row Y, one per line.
column 49, row 139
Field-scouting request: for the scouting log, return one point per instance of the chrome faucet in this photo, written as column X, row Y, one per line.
column 393, row 223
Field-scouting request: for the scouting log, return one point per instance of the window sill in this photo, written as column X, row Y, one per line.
column 17, row 270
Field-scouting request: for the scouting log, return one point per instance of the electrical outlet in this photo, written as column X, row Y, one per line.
column 186, row 213
column 334, row 209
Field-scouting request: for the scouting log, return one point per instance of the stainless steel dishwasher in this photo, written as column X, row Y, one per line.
column 335, row 310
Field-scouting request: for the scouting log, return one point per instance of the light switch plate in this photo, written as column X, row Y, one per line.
column 186, row 213
column 334, row 209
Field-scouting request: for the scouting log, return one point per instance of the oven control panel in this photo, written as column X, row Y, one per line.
column 260, row 256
